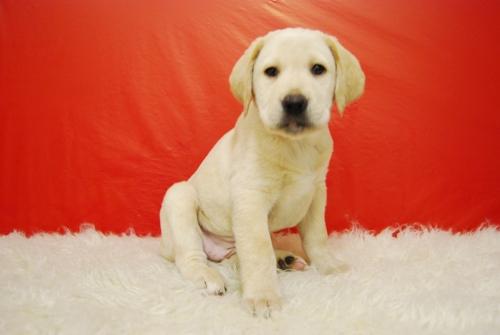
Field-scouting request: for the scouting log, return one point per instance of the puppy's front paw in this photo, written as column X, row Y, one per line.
column 262, row 305
column 333, row 268
column 330, row 265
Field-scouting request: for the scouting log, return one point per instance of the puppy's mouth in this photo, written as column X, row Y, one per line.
column 294, row 126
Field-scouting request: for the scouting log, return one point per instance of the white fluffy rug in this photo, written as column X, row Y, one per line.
column 429, row 282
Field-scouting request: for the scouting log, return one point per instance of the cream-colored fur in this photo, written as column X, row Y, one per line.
column 262, row 176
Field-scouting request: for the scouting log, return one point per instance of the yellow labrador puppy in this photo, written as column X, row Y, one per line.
column 268, row 172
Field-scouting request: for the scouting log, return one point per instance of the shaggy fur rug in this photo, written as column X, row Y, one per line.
column 422, row 282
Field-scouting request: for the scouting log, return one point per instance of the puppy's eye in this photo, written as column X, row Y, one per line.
column 271, row 71
column 318, row 69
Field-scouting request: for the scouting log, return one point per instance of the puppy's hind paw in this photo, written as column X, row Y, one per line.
column 288, row 261
column 211, row 281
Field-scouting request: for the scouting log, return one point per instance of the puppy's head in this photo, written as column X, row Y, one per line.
column 293, row 76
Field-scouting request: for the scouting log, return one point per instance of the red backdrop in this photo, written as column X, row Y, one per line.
column 104, row 104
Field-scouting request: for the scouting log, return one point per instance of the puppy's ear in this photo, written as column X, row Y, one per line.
column 350, row 82
column 240, row 79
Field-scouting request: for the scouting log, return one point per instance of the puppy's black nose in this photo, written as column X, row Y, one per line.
column 294, row 104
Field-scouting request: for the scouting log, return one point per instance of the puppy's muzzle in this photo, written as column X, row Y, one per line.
column 294, row 120
column 294, row 104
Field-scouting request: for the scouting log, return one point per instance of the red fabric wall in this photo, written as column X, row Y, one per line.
column 104, row 104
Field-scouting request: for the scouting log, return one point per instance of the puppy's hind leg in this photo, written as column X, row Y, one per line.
column 181, row 238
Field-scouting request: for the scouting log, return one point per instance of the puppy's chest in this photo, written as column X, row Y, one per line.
column 293, row 198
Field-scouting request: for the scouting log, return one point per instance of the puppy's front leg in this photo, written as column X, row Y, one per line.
column 315, row 237
column 255, row 253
